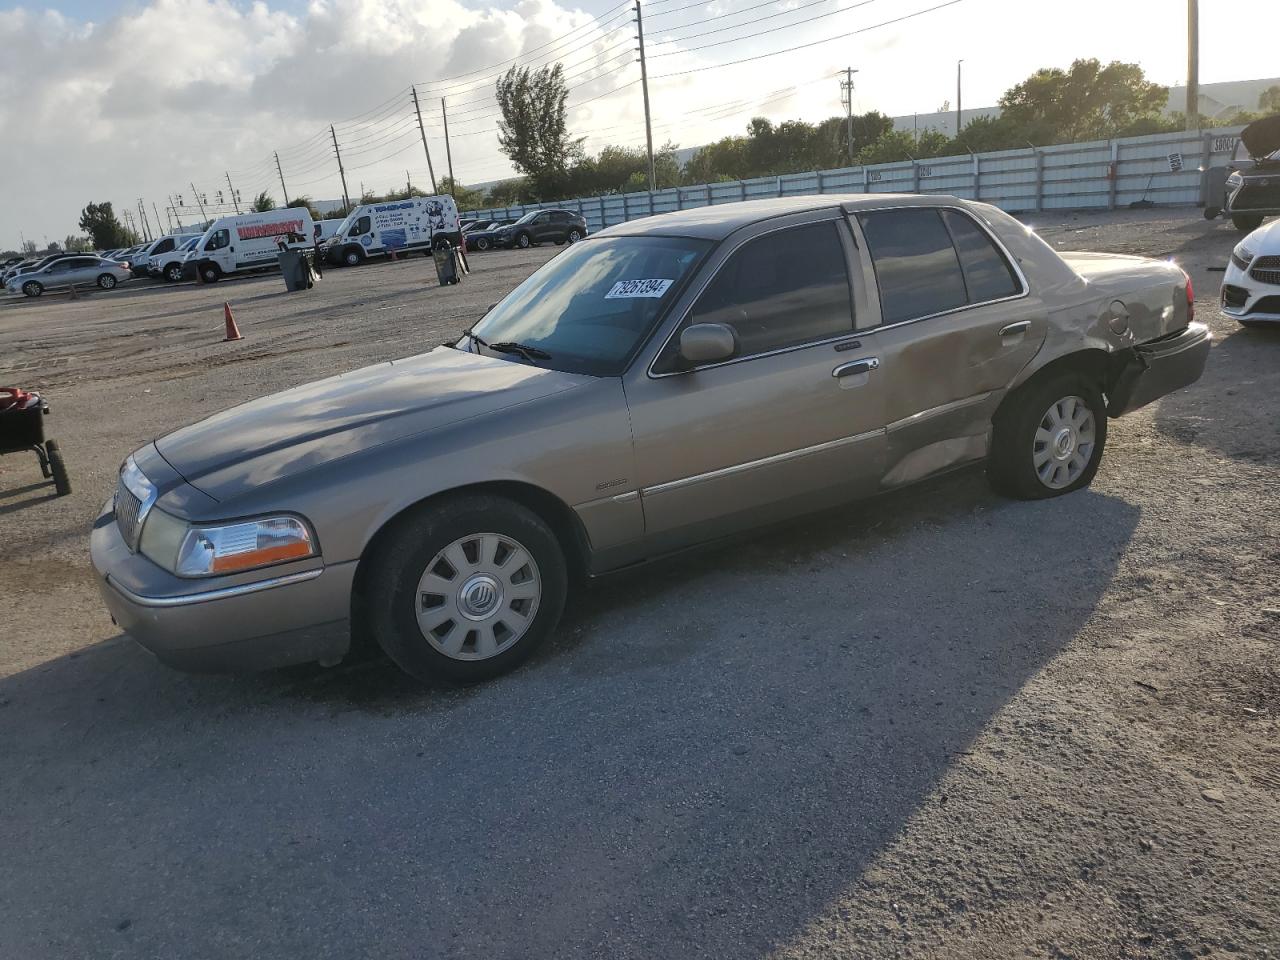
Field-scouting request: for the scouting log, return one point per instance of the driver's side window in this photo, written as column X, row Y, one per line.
column 362, row 226
column 219, row 240
column 780, row 290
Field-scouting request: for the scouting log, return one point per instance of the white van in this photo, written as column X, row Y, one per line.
column 250, row 241
column 325, row 229
column 140, row 263
column 375, row 229
column 168, row 266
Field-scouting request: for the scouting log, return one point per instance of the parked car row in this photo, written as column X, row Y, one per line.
column 535, row 227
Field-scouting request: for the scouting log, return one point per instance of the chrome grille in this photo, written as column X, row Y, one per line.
column 128, row 511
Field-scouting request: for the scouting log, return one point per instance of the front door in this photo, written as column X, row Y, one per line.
column 958, row 324
column 792, row 422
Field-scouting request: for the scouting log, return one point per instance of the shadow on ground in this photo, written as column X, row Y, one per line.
column 711, row 751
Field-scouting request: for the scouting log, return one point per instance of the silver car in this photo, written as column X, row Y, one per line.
column 86, row 271
column 665, row 382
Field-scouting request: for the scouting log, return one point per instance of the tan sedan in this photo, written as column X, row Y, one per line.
column 665, row 382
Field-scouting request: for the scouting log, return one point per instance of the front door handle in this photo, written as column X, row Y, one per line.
column 1013, row 329
column 855, row 367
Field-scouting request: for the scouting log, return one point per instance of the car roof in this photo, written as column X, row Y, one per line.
column 721, row 219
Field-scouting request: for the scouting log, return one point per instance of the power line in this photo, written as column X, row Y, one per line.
column 747, row 23
column 802, row 46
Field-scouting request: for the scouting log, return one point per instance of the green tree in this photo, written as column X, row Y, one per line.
column 74, row 244
column 1269, row 100
column 306, row 203
column 263, row 203
column 99, row 221
column 1086, row 102
column 465, row 197
column 533, row 131
column 507, row 193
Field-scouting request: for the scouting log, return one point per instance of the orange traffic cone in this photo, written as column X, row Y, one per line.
column 233, row 331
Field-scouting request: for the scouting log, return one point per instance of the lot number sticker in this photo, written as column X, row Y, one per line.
column 628, row 289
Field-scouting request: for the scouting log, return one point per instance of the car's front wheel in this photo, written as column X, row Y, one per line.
column 32, row 288
column 482, row 243
column 523, row 241
column 352, row 257
column 464, row 590
column 173, row 272
column 1048, row 438
column 574, row 236
column 210, row 272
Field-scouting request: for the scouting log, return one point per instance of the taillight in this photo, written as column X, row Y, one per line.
column 1191, row 298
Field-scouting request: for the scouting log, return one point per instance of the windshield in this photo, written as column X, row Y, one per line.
column 345, row 224
column 190, row 243
column 528, row 216
column 592, row 307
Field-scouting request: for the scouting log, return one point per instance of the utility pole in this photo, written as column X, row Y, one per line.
column 408, row 183
column 423, row 130
column 444, row 114
column 846, row 97
column 283, row 188
column 644, row 86
column 174, row 207
column 199, row 202
column 146, row 223
column 157, row 213
column 235, row 198
column 346, row 198
column 1193, row 64
column 959, row 115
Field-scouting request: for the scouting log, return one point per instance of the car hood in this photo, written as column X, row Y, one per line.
column 287, row 433
column 1265, row 241
column 1262, row 137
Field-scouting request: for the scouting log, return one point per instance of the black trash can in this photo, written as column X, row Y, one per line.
column 296, row 269
column 446, row 259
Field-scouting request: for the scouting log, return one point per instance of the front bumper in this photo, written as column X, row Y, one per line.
column 1245, row 296
column 1158, row 368
column 293, row 613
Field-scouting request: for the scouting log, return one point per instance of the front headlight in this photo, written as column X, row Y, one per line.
column 205, row 550
column 1234, row 179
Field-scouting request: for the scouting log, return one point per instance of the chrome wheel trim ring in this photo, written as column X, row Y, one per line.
column 478, row 596
column 1064, row 442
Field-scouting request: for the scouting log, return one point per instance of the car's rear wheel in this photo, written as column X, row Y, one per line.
column 32, row 288
column 464, row 590
column 106, row 281
column 1246, row 222
column 1048, row 438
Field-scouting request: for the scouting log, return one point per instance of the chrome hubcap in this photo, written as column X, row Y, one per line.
column 478, row 596
column 1064, row 443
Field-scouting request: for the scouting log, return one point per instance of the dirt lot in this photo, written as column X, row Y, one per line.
column 938, row 725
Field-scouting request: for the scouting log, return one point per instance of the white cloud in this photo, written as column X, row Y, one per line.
column 167, row 92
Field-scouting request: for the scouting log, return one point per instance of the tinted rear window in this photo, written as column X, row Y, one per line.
column 916, row 265
column 987, row 273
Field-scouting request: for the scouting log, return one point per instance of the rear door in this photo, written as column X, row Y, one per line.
column 959, row 321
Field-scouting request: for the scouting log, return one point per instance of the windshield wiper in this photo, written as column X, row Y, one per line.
column 474, row 339
column 529, row 353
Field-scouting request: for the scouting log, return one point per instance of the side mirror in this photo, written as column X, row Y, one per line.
column 707, row 343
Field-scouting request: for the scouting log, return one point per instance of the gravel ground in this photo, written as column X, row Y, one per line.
column 940, row 724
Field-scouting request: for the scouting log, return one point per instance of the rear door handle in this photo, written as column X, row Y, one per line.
column 1013, row 329
column 855, row 367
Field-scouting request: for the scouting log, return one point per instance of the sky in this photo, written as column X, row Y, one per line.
column 128, row 100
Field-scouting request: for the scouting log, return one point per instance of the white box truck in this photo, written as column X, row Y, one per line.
column 250, row 241
column 375, row 229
